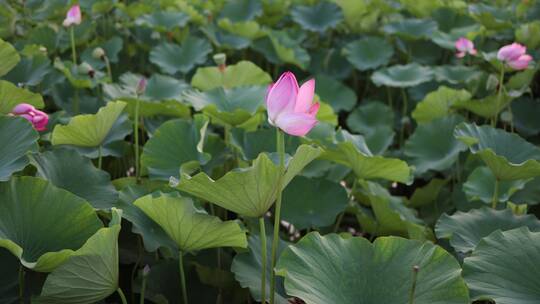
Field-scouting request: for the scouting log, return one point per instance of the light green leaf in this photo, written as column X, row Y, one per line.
column 248, row 191
column 68, row 170
column 349, row 269
column 317, row 18
column 509, row 156
column 402, row 76
column 89, row 130
column 42, row 225
column 191, row 229
column 368, row 53
column 427, row 194
column 19, row 138
column 432, row 146
column 506, row 259
column 172, row 58
column 439, row 103
column 480, row 185
column 90, row 274
column 175, row 143
column 466, row 229
column 242, row 73
column 11, row 95
column 8, row 57
column 486, row 107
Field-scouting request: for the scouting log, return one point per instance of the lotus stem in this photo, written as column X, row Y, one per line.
column 76, row 109
column 108, row 65
column 403, row 115
column 136, row 134
column 100, row 156
column 182, row 277
column 73, row 49
column 416, row 268
column 262, row 232
column 122, row 295
column 143, row 289
column 499, row 92
column 281, row 151
column 495, row 199
column 21, row 284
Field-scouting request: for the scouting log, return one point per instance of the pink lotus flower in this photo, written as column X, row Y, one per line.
column 515, row 56
column 38, row 118
column 73, row 16
column 464, row 46
column 291, row 108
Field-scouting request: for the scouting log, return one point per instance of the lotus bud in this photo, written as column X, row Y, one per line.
column 141, row 86
column 98, row 53
column 220, row 59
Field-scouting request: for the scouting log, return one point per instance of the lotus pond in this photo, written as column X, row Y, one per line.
column 269, row 151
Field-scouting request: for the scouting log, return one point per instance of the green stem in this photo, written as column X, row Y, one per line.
column 389, row 97
column 21, row 284
column 76, row 109
column 122, row 295
column 262, row 233
column 100, row 158
column 73, row 49
column 109, row 71
column 182, row 277
column 403, row 116
column 143, row 290
column 281, row 151
column 338, row 221
column 499, row 92
column 136, row 134
column 413, row 287
column 495, row 199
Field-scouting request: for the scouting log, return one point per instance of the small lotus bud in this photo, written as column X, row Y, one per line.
column 85, row 68
column 98, row 53
column 141, row 86
column 146, row 270
column 220, row 59
column 43, row 49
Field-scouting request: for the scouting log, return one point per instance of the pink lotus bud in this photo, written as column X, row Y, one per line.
column 73, row 16
column 464, row 46
column 141, row 86
column 38, row 118
column 291, row 108
column 515, row 56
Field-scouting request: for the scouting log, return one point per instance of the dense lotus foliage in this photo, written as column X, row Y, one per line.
column 269, row 151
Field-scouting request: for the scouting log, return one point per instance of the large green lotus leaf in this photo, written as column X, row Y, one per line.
column 228, row 106
column 241, row 10
column 317, row 18
column 466, row 229
column 42, row 224
column 30, row 71
column 71, row 171
column 486, row 107
column 89, row 130
column 480, row 185
column 411, row 28
column 504, row 267
column 287, row 49
column 438, row 104
column 525, row 111
column 402, row 76
column 335, row 93
column 427, row 194
column 90, row 274
column 191, row 229
column 8, row 57
column 174, row 143
column 19, row 138
column 432, row 146
column 353, row 152
column 530, row 194
column 11, row 95
column 152, row 234
column 247, row 267
column 375, row 121
column 369, row 53
column 353, row 270
column 248, row 191
column 172, row 58
column 9, row 281
column 529, row 34
column 389, row 215
column 491, row 17
column 243, row 73
column 163, row 21
column 459, row 74
column 509, row 156
column 313, row 202
column 245, row 29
